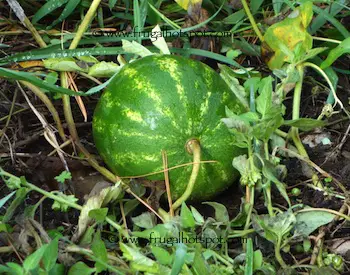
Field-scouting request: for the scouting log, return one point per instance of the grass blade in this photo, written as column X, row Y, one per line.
column 46, row 9
column 47, row 53
column 68, row 9
column 5, row 199
column 29, row 77
column 332, row 20
column 248, row 270
column 332, row 9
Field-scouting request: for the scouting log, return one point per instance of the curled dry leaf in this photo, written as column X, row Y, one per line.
column 102, row 198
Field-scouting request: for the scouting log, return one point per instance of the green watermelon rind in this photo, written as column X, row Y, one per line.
column 160, row 102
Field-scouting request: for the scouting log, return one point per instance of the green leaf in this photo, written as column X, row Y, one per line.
column 221, row 214
column 197, row 216
column 306, row 242
column 12, row 74
column 333, row 9
column 145, row 220
column 5, row 199
column 252, row 83
column 98, row 88
column 139, row 262
column 264, row 100
column 87, row 237
column 333, row 21
column 63, row 207
column 100, row 252
column 66, row 64
column 234, row 18
column 21, row 194
column 5, row 269
column 111, row 4
column 65, row 175
column 334, row 54
column 52, row 52
column 258, row 260
column 135, row 48
column 104, row 69
column 51, row 254
column 15, row 269
column 269, row 172
column 130, row 205
column 199, row 266
column 277, row 5
column 242, row 165
column 309, row 54
column 179, row 260
column 58, row 269
column 158, row 231
column 249, row 258
column 33, row 260
column 47, row 8
column 187, row 220
column 99, row 214
column 305, row 124
column 265, row 128
column 162, row 256
column 228, row 76
column 308, row 222
column 80, row 268
column 210, row 238
column 241, row 217
column 13, row 183
column 274, row 228
column 68, row 9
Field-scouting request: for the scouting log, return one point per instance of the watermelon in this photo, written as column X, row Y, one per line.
column 160, row 102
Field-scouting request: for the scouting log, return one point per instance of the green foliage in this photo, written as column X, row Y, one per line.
column 308, row 222
column 80, row 268
column 334, row 54
column 100, row 252
column 41, row 261
column 65, row 175
column 183, row 243
column 63, row 206
column 284, row 36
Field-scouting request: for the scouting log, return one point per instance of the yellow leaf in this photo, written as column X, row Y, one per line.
column 34, row 63
column 186, row 4
column 281, row 38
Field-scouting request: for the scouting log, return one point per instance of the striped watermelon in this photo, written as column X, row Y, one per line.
column 160, row 102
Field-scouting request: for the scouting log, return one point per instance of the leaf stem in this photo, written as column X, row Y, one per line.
column 34, row 32
column 84, row 24
column 195, row 147
column 326, row 39
column 251, row 205
column 252, row 20
column 324, row 75
column 278, row 254
column 296, row 111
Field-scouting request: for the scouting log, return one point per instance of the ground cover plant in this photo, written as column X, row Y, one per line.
column 174, row 137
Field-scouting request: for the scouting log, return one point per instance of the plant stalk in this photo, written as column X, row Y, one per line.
column 296, row 112
column 278, row 254
column 252, row 20
column 196, row 151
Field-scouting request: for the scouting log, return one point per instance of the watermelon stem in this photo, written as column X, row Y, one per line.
column 193, row 147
